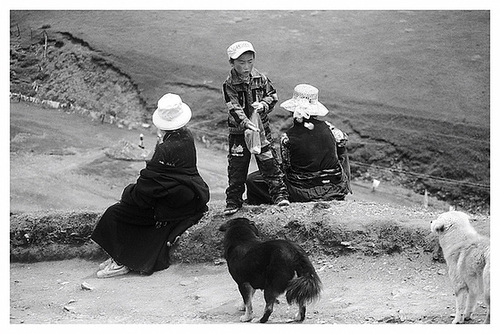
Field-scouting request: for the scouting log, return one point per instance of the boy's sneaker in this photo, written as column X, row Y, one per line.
column 231, row 209
column 282, row 202
column 113, row 269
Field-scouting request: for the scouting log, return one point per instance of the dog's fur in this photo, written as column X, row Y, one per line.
column 467, row 255
column 274, row 266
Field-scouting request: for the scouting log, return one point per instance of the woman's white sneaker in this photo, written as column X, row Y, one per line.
column 113, row 269
column 105, row 264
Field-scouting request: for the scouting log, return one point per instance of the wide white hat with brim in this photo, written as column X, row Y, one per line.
column 305, row 100
column 172, row 113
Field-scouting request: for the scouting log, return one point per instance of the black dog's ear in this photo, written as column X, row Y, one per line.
column 253, row 227
column 223, row 227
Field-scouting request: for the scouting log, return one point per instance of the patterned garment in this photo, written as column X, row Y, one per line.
column 239, row 96
column 314, row 154
column 238, row 163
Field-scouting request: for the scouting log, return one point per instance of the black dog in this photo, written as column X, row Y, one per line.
column 275, row 266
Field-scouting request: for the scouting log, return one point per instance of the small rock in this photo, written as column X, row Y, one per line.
column 321, row 206
column 69, row 308
column 219, row 262
column 86, row 286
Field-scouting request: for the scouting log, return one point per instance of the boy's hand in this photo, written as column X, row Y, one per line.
column 251, row 126
column 258, row 107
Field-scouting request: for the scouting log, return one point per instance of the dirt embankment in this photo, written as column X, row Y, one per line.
column 57, row 67
column 323, row 228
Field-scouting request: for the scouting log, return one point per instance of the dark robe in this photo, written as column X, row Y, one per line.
column 316, row 168
column 168, row 197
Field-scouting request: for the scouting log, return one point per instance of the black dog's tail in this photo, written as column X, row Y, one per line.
column 305, row 288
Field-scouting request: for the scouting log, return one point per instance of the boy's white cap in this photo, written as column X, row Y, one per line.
column 238, row 48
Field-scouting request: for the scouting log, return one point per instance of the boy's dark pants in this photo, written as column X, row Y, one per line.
column 237, row 170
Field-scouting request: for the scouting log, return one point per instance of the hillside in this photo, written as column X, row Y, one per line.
column 406, row 106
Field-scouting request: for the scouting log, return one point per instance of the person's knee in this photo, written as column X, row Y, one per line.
column 265, row 157
column 253, row 177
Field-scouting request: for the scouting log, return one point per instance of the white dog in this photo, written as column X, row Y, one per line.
column 467, row 255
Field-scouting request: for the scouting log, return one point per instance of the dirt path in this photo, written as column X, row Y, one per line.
column 357, row 290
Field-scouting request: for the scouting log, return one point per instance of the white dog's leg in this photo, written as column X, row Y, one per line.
column 460, row 300
column 471, row 304
column 486, row 287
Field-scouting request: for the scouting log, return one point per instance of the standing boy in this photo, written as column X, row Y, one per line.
column 247, row 90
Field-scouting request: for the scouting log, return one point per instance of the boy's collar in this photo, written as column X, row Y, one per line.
column 236, row 79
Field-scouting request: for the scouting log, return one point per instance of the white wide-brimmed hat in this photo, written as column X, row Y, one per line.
column 305, row 101
column 237, row 49
column 171, row 113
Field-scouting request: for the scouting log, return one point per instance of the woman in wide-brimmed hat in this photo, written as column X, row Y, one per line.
column 313, row 152
column 168, row 197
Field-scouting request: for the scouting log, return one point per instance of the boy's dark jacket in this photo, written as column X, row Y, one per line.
column 239, row 96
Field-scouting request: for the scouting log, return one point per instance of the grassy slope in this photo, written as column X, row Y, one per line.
column 434, row 64
column 411, row 88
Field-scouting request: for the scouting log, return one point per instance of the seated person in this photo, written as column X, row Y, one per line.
column 169, row 197
column 313, row 152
